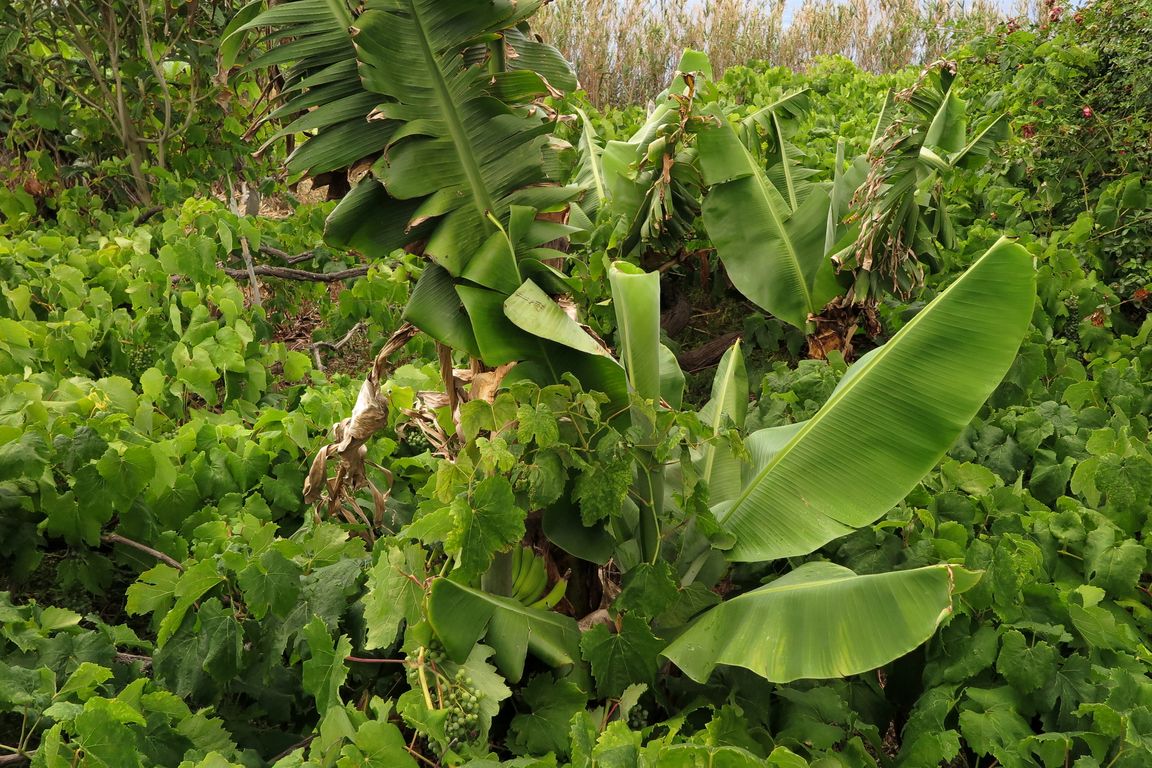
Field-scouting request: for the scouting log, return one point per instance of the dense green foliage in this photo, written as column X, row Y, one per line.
column 170, row 598
column 121, row 96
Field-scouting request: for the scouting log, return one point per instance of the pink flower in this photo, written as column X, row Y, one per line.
column 1087, row 112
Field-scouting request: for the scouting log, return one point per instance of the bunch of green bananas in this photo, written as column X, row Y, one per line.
column 529, row 580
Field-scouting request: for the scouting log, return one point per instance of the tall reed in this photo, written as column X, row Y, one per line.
column 625, row 50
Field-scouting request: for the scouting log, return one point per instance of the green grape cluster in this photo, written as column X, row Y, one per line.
column 1072, row 326
column 456, row 693
column 416, row 440
column 463, row 703
column 638, row 718
column 434, row 658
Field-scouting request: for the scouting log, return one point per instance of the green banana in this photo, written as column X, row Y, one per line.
column 554, row 596
column 519, row 570
column 534, row 582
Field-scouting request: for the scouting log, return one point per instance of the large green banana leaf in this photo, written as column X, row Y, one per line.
column 821, row 621
column 462, row 616
column 892, row 420
column 778, row 120
column 458, row 149
column 773, row 254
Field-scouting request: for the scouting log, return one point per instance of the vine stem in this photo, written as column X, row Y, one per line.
column 424, row 679
column 359, row 660
column 115, row 538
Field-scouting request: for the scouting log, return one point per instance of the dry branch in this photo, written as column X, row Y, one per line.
column 708, row 353
column 287, row 273
column 286, row 257
column 115, row 538
column 333, row 346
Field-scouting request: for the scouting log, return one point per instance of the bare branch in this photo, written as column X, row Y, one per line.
column 287, row 273
column 333, row 345
column 115, row 538
column 147, row 214
column 286, row 257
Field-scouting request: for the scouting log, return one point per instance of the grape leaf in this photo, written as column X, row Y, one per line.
column 486, row 522
column 80, row 523
column 272, row 583
column 20, row 687
column 546, row 727
column 619, row 659
column 394, row 594
column 84, row 681
column 193, row 584
column 154, row 591
column 991, row 723
column 649, row 588
column 377, row 744
column 221, row 640
column 127, row 473
column 603, row 485
column 537, row 423
column 325, row 672
column 105, row 740
column 1026, row 667
column 1114, row 568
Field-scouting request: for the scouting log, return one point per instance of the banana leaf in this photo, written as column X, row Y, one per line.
column 773, row 255
column 821, row 621
column 892, row 420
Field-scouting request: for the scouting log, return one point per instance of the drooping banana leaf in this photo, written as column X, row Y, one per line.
column 981, row 144
column 949, row 127
column 458, row 149
column 892, row 420
column 528, row 53
column 565, row 347
column 773, row 255
column 462, row 616
column 650, row 182
column 590, row 172
column 821, row 621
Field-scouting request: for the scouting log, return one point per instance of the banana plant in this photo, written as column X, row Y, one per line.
column 890, row 420
column 462, row 178
column 901, row 216
column 444, row 95
column 892, row 417
column 783, row 239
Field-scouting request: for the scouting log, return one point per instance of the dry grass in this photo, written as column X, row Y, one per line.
column 625, row 50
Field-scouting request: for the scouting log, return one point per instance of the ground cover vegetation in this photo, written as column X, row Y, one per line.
column 795, row 418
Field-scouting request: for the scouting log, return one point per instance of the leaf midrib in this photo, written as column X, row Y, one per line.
column 794, row 258
column 830, row 581
column 458, row 133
